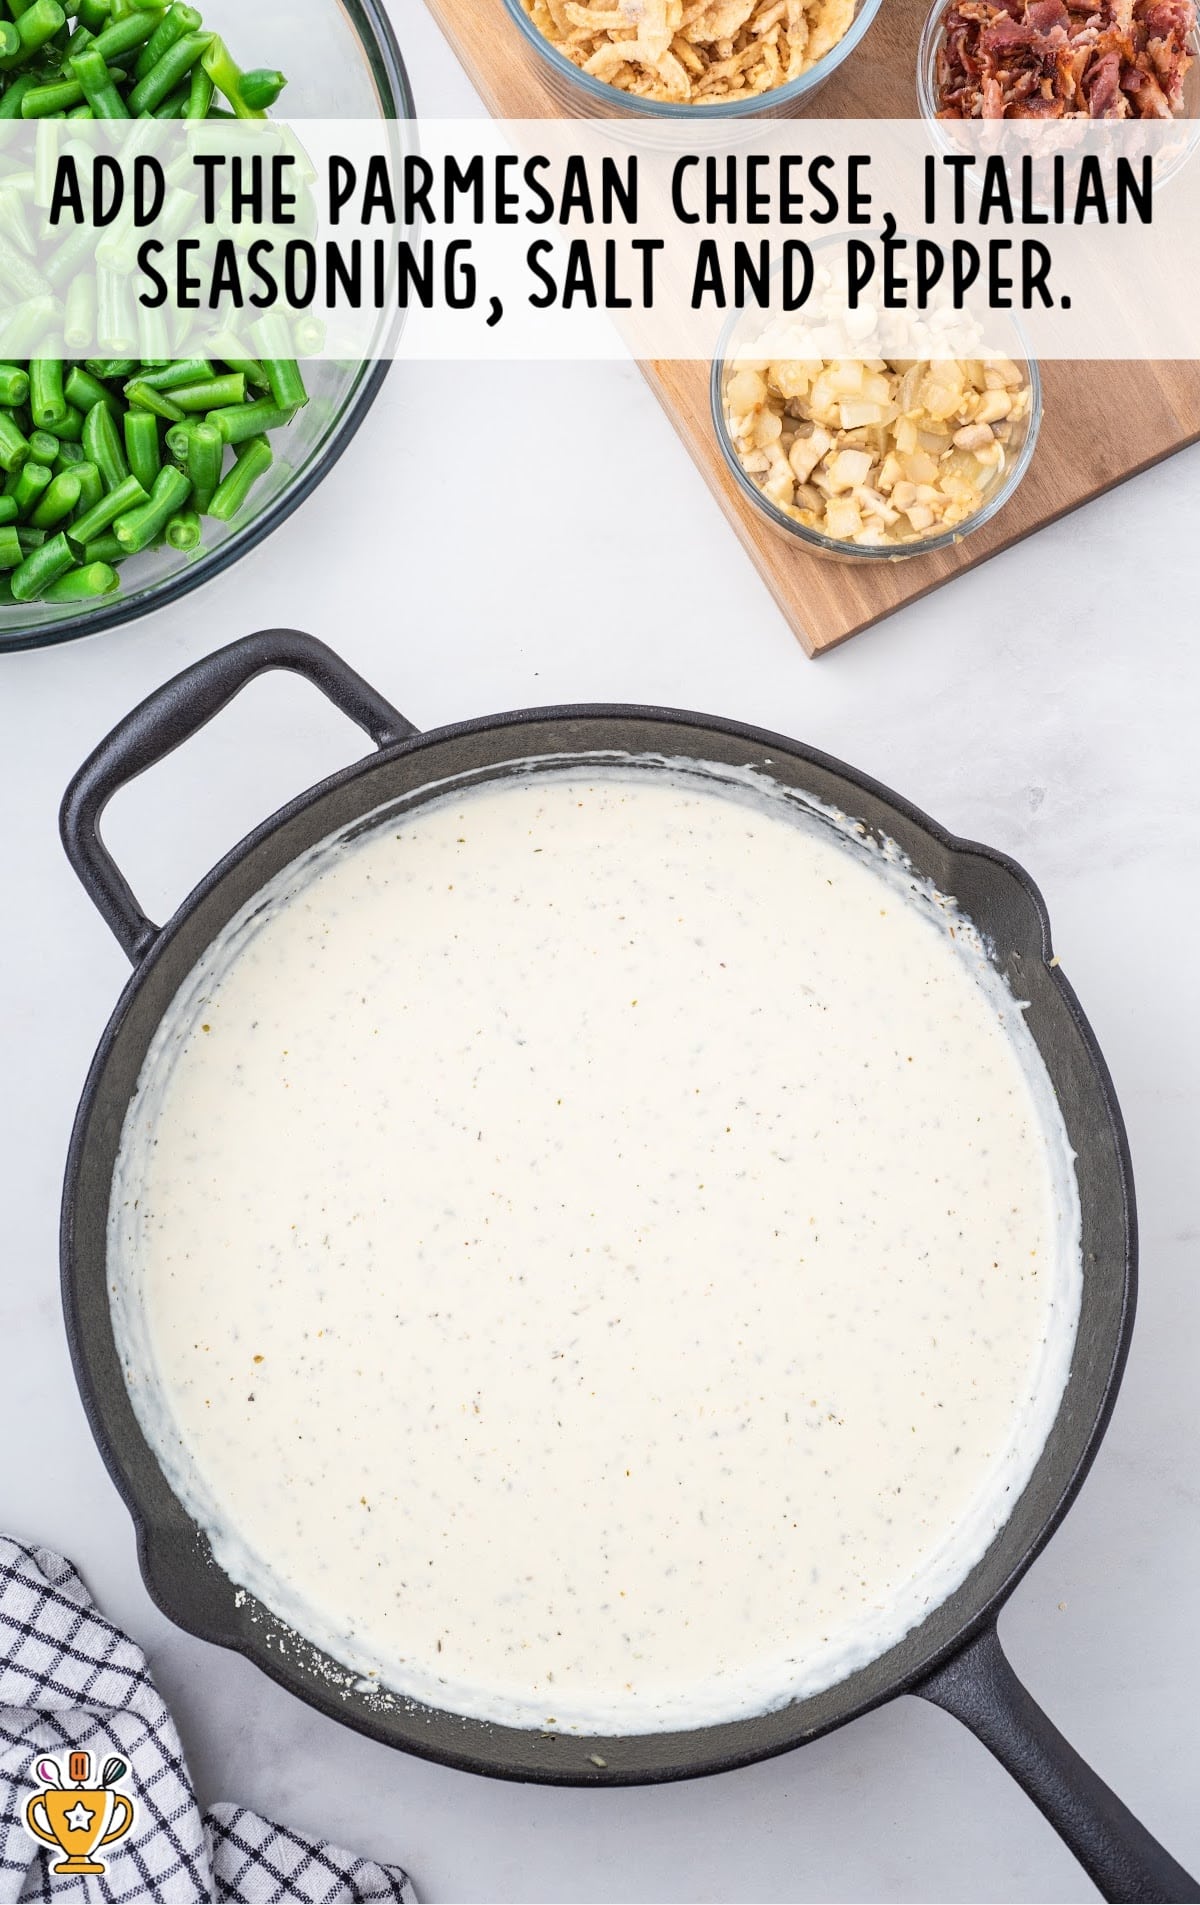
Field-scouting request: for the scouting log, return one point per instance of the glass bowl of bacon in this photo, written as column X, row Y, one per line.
column 670, row 59
column 1060, row 59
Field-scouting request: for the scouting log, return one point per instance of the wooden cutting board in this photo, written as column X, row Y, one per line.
column 1102, row 423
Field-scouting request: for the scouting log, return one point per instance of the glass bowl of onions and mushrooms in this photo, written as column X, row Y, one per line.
column 875, row 459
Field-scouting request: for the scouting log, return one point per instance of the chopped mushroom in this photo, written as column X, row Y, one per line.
column 876, row 451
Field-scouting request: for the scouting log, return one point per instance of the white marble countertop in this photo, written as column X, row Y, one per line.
column 1045, row 704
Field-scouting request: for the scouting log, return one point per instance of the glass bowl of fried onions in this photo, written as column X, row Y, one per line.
column 674, row 59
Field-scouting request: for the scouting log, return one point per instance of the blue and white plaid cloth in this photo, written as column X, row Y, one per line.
column 72, row 1682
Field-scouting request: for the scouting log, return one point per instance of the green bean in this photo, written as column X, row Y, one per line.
column 35, row 27
column 20, row 272
column 226, row 349
column 172, row 68
column 14, row 385
column 47, row 398
column 250, row 420
column 14, row 97
column 80, row 318
column 177, row 21
column 91, row 485
column 213, row 393
column 176, row 104
column 85, row 390
column 185, row 530
column 43, row 566
column 227, row 76
column 287, row 382
column 58, row 502
column 189, row 371
column 153, row 400
column 272, row 338
column 123, row 35
column 43, row 448
column 26, row 328
column 8, row 510
column 142, row 446
column 254, row 459
column 154, row 338
column 103, row 549
column 10, row 42
column 129, row 495
column 33, row 480
column 115, row 325
column 103, row 446
column 261, row 88
column 11, row 553
column 75, row 254
column 97, row 84
column 83, row 585
column 14, row 445
column 14, row 218
column 200, row 94
column 46, row 102
column 137, row 530
column 71, row 429
column 203, row 462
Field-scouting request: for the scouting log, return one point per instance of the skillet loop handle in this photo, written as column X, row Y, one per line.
column 1121, row 1858
column 168, row 718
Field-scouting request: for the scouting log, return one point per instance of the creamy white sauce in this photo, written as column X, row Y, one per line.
column 598, row 1251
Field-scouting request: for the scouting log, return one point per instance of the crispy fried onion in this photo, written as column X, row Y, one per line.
column 693, row 52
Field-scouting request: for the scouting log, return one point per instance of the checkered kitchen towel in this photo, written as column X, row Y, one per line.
column 70, row 1682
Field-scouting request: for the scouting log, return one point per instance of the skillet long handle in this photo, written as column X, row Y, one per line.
column 165, row 720
column 1121, row 1858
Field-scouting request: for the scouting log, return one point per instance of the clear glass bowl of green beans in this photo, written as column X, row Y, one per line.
column 124, row 484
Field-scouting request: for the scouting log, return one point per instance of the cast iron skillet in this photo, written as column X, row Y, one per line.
column 954, row 1658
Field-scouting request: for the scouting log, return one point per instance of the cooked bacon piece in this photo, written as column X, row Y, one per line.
column 993, row 98
column 1071, row 66
column 1167, row 19
column 1044, row 59
column 1103, row 88
column 1048, row 16
column 1039, row 108
column 1004, row 35
column 1168, row 70
column 1149, row 99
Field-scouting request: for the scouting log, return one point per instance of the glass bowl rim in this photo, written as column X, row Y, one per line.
column 371, row 22
column 632, row 105
column 872, row 552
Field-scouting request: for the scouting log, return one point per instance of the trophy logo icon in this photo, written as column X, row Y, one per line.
column 78, row 1818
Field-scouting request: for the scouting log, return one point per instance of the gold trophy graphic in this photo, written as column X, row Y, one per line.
column 78, row 1819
